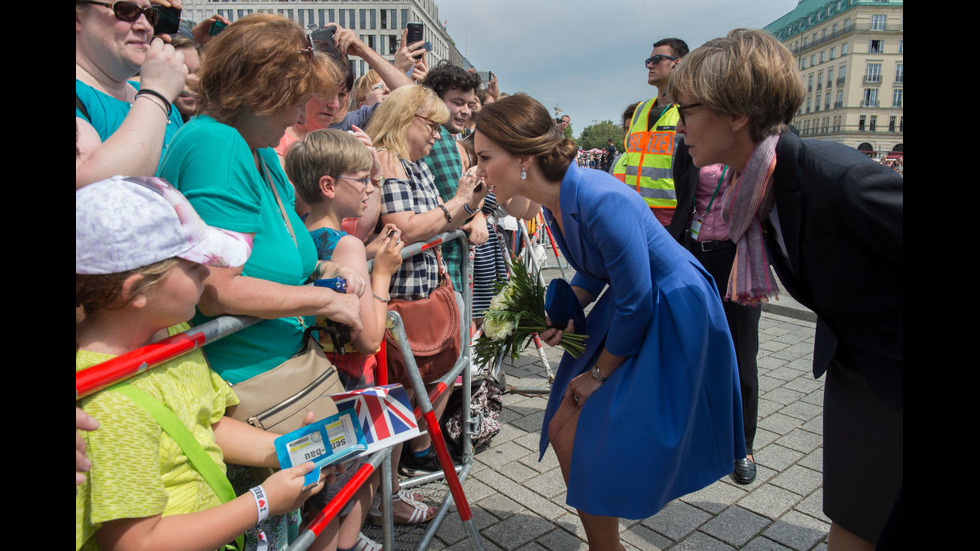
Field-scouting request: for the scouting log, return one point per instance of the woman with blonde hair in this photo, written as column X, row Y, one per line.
column 255, row 80
column 403, row 128
column 651, row 410
column 829, row 219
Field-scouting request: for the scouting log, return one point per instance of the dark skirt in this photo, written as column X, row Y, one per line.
column 862, row 453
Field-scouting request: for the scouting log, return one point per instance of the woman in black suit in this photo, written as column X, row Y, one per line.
column 830, row 221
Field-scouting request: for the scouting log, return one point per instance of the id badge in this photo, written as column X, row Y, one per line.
column 695, row 228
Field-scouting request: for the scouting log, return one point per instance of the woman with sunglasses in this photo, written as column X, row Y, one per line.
column 254, row 83
column 122, row 127
column 403, row 128
column 829, row 220
column 650, row 411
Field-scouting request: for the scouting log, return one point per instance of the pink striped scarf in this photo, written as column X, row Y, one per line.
column 746, row 204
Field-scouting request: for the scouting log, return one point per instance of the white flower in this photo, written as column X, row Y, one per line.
column 498, row 328
column 503, row 299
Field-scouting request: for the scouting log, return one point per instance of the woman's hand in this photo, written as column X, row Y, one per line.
column 202, row 31
column 420, row 70
column 388, row 258
column 466, row 189
column 348, row 43
column 405, row 54
column 476, row 230
column 163, row 70
column 580, row 388
column 552, row 336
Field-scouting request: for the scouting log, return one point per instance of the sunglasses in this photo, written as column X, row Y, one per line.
column 655, row 60
column 682, row 108
column 128, row 11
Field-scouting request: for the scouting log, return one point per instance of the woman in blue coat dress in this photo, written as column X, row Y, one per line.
column 651, row 411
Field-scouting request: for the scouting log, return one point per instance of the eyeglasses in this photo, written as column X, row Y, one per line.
column 655, row 60
column 433, row 125
column 682, row 108
column 128, row 11
column 363, row 181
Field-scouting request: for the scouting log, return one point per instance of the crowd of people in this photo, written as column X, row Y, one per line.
column 222, row 169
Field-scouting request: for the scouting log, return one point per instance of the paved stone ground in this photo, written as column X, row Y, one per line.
column 518, row 503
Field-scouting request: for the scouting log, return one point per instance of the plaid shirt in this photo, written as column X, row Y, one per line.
column 418, row 275
column 446, row 167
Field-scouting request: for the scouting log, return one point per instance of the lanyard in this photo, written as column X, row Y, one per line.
column 717, row 187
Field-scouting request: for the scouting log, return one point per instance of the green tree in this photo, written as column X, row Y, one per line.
column 598, row 135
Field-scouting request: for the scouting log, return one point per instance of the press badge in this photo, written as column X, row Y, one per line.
column 695, row 228
column 324, row 442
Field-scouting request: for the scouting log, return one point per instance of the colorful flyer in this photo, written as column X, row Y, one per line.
column 324, row 442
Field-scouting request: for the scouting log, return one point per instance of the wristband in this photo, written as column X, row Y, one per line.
column 468, row 209
column 261, row 503
column 159, row 95
column 384, row 300
column 166, row 115
column 445, row 211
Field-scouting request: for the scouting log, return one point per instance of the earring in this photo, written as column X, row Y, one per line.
column 523, row 173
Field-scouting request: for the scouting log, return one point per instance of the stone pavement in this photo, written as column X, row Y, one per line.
column 518, row 503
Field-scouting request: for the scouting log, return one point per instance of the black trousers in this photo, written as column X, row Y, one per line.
column 743, row 322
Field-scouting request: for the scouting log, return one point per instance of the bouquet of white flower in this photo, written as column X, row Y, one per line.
column 516, row 313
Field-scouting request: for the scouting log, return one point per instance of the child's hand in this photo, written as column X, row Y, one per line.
column 389, row 256
column 285, row 489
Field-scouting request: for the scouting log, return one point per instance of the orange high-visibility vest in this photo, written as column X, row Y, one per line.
column 647, row 163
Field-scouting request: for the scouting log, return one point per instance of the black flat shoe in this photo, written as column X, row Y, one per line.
column 744, row 472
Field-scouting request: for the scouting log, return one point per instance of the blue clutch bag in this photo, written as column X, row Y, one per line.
column 562, row 305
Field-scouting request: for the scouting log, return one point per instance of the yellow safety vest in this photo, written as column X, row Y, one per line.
column 648, row 158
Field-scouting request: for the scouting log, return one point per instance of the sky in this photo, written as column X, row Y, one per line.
column 586, row 57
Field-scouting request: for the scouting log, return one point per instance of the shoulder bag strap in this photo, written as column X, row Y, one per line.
column 169, row 422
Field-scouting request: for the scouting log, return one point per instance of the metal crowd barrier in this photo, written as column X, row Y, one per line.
column 123, row 367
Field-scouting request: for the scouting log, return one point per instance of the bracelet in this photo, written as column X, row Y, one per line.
column 157, row 103
column 261, row 503
column 468, row 209
column 384, row 300
column 166, row 102
column 449, row 217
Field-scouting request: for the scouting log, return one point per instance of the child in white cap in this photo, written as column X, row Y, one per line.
column 141, row 254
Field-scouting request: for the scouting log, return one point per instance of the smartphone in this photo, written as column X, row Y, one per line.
column 415, row 35
column 324, row 35
column 484, row 76
column 414, row 32
column 169, row 21
column 216, row 27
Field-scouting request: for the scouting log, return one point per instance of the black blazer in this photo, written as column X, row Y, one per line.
column 840, row 216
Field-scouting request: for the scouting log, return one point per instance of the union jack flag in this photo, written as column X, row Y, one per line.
column 384, row 413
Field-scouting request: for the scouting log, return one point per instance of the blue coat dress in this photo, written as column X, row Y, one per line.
column 668, row 421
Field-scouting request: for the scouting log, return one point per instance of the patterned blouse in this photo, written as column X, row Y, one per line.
column 418, row 275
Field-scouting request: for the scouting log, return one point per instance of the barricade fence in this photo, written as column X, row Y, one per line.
column 123, row 367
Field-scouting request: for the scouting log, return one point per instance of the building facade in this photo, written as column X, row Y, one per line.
column 850, row 56
column 378, row 23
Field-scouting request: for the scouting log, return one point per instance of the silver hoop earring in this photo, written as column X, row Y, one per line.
column 523, row 173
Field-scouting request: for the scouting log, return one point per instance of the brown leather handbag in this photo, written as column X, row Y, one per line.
column 432, row 327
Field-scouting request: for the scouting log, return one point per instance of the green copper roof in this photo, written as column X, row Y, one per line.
column 809, row 13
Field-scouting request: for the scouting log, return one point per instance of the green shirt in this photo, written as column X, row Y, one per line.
column 138, row 471
column 447, row 168
column 211, row 164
